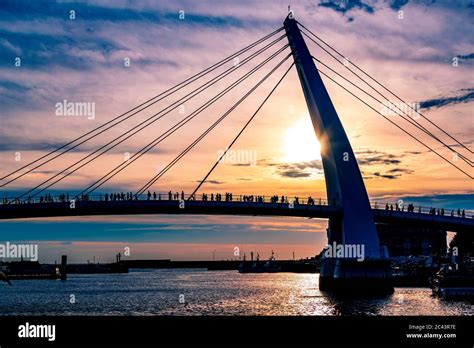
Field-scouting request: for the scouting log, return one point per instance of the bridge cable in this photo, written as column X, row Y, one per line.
column 386, row 88
column 378, row 100
column 186, row 98
column 181, row 100
column 239, row 134
column 396, row 125
column 196, row 141
column 206, row 132
column 413, row 122
column 166, row 134
column 160, row 97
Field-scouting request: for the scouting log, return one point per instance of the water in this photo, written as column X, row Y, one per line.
column 158, row 292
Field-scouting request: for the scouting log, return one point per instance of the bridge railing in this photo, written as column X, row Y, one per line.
column 124, row 196
column 405, row 207
column 217, row 197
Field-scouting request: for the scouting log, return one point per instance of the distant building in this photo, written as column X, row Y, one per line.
column 409, row 240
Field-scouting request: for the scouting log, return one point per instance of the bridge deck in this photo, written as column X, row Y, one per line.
column 138, row 207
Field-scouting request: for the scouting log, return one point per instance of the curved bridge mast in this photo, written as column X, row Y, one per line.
column 344, row 185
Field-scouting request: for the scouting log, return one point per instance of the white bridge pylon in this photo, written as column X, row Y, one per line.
column 344, row 184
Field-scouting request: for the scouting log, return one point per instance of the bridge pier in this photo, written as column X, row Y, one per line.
column 352, row 277
column 351, row 274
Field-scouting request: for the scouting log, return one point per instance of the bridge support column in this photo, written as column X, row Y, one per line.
column 344, row 185
column 349, row 276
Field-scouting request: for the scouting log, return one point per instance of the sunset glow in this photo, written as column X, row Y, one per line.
column 113, row 57
column 301, row 144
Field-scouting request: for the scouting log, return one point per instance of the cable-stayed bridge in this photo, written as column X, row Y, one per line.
column 351, row 215
column 239, row 205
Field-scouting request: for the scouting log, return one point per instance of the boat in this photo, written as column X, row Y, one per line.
column 270, row 266
column 451, row 283
column 19, row 270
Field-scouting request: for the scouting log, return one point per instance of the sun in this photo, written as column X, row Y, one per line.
column 300, row 143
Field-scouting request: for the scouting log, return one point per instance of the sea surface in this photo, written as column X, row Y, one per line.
column 201, row 292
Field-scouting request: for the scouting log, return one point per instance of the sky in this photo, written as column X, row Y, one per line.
column 56, row 51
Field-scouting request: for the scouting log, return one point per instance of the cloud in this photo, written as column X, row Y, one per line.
column 214, row 182
column 390, row 174
column 385, row 176
column 292, row 173
column 9, row 143
column 466, row 56
column 87, row 11
column 16, row 144
column 435, row 103
column 368, row 159
column 397, row 4
column 344, row 6
column 314, row 164
column 372, row 157
column 295, row 170
column 400, row 170
column 413, row 152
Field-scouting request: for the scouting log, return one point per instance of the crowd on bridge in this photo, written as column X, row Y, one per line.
column 401, row 207
column 432, row 211
column 229, row 197
column 217, row 197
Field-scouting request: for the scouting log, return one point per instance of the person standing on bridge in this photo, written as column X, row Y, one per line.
column 169, row 196
column 182, row 195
